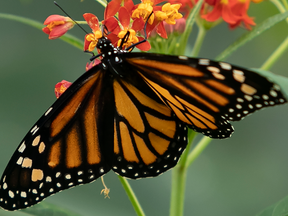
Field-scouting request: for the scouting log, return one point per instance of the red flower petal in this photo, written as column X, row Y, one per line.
column 55, row 17
column 112, row 8
column 86, row 43
column 124, row 17
column 161, row 30
column 145, row 46
column 129, row 5
column 228, row 16
column 214, row 15
column 138, row 24
column 149, row 28
column 113, row 38
column 60, row 30
column 92, row 64
column 92, row 21
column 46, row 30
column 61, row 87
column 112, row 25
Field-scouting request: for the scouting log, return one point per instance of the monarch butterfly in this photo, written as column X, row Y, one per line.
column 129, row 113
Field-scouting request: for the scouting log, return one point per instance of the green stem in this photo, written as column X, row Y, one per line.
column 133, row 199
column 199, row 148
column 285, row 4
column 283, row 46
column 172, row 45
column 102, row 2
column 21, row 19
column 275, row 55
column 279, row 6
column 199, row 41
column 178, row 191
column 179, row 173
column 189, row 24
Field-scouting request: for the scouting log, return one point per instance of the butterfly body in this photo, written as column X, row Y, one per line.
column 129, row 113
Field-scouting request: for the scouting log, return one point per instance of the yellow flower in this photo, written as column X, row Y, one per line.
column 132, row 39
column 91, row 40
column 169, row 13
column 144, row 10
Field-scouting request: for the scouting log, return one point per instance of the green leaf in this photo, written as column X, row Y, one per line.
column 67, row 37
column 48, row 209
column 278, row 209
column 267, row 212
column 259, row 29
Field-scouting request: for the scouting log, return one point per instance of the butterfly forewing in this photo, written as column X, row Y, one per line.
column 148, row 138
column 61, row 150
column 205, row 94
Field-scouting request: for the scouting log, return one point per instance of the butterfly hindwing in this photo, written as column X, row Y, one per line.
column 205, row 94
column 148, row 138
column 61, row 150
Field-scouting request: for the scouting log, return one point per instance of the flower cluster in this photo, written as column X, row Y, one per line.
column 123, row 16
column 234, row 12
column 130, row 17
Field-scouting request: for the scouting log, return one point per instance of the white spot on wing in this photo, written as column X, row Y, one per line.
column 225, row 66
column 213, row 69
column 23, row 194
column 5, row 186
column 204, row 62
column 265, row 97
column 11, row 194
column 33, row 129
column 19, row 161
column 27, row 163
column 22, row 147
column 273, row 93
column 183, row 57
column 48, row 111
column 80, row 172
column 36, row 141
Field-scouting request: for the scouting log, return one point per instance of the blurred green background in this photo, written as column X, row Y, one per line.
column 237, row 176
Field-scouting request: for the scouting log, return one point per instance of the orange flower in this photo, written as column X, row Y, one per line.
column 222, row 8
column 167, row 13
column 240, row 8
column 57, row 26
column 61, row 87
column 92, row 64
column 91, row 39
column 137, row 25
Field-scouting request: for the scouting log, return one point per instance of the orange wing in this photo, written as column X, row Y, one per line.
column 61, row 150
column 205, row 94
column 148, row 138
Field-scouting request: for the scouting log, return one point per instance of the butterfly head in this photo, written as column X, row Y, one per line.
column 105, row 46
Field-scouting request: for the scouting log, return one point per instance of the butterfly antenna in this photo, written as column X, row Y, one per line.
column 125, row 39
column 145, row 34
column 69, row 16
